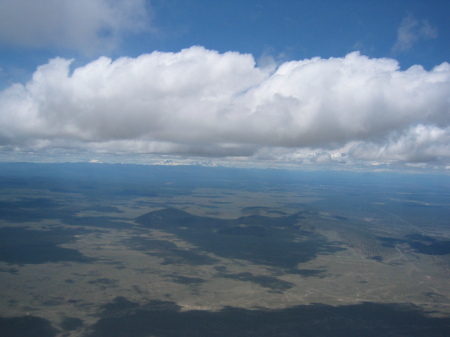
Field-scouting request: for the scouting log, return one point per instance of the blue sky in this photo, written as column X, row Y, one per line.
column 307, row 83
column 304, row 29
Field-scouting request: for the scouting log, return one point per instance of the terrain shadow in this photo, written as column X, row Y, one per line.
column 275, row 241
column 22, row 245
column 166, row 319
column 26, row 326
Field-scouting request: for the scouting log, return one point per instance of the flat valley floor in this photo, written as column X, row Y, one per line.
column 126, row 250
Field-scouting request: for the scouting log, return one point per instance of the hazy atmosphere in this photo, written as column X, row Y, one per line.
column 236, row 168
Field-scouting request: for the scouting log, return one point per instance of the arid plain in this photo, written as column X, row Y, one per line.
column 104, row 250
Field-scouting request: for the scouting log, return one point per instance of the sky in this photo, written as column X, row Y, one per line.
column 326, row 83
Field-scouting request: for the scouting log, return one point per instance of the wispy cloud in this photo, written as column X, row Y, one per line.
column 411, row 31
column 82, row 25
column 199, row 102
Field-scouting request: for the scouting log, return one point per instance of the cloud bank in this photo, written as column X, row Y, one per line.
column 198, row 102
column 84, row 25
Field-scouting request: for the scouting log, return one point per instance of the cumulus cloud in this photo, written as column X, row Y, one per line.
column 198, row 102
column 420, row 143
column 411, row 31
column 83, row 25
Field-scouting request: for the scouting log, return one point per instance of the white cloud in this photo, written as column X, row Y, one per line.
column 201, row 103
column 84, row 25
column 420, row 143
column 411, row 31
